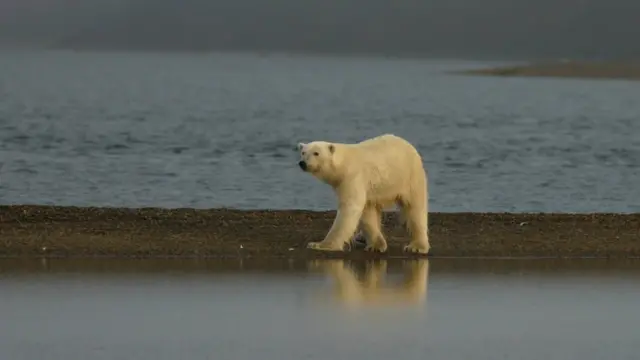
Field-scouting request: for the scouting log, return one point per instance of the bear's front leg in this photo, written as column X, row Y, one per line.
column 343, row 228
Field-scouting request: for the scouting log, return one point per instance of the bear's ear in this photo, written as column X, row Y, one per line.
column 332, row 148
column 300, row 146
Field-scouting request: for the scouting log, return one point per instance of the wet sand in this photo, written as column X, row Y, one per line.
column 223, row 233
column 629, row 70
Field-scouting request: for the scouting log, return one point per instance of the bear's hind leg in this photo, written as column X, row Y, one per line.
column 416, row 218
column 371, row 226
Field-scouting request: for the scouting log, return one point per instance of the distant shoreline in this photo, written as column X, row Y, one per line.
column 579, row 69
column 627, row 70
column 54, row 231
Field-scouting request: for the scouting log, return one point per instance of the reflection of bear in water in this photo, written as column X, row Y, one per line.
column 369, row 177
column 370, row 288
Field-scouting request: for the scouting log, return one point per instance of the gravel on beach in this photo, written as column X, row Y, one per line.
column 56, row 231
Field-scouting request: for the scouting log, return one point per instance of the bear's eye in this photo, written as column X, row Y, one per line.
column 316, row 153
column 304, row 152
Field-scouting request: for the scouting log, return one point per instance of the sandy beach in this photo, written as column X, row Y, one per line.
column 50, row 231
column 628, row 70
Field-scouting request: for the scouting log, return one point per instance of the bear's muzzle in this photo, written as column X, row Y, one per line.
column 303, row 165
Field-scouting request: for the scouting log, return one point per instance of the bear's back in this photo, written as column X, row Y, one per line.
column 388, row 163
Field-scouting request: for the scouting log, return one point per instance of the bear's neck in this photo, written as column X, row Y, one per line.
column 336, row 176
column 333, row 179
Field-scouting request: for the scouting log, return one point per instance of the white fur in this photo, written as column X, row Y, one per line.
column 367, row 178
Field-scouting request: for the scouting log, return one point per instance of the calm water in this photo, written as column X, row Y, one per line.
column 209, row 130
column 433, row 309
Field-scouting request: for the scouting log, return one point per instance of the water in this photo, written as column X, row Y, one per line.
column 209, row 130
column 436, row 309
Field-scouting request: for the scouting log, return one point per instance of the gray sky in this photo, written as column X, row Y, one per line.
column 467, row 28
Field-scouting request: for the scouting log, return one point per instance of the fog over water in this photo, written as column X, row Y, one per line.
column 452, row 28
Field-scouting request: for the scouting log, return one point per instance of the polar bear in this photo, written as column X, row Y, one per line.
column 368, row 177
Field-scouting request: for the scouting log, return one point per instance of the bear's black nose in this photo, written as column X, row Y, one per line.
column 303, row 165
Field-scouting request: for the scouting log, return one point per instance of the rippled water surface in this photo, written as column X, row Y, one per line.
column 420, row 309
column 209, row 130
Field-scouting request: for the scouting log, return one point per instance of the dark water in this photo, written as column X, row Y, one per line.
column 210, row 130
column 420, row 309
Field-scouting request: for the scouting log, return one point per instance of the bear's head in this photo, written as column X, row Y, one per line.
column 317, row 158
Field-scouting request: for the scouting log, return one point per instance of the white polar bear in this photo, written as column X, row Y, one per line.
column 368, row 177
